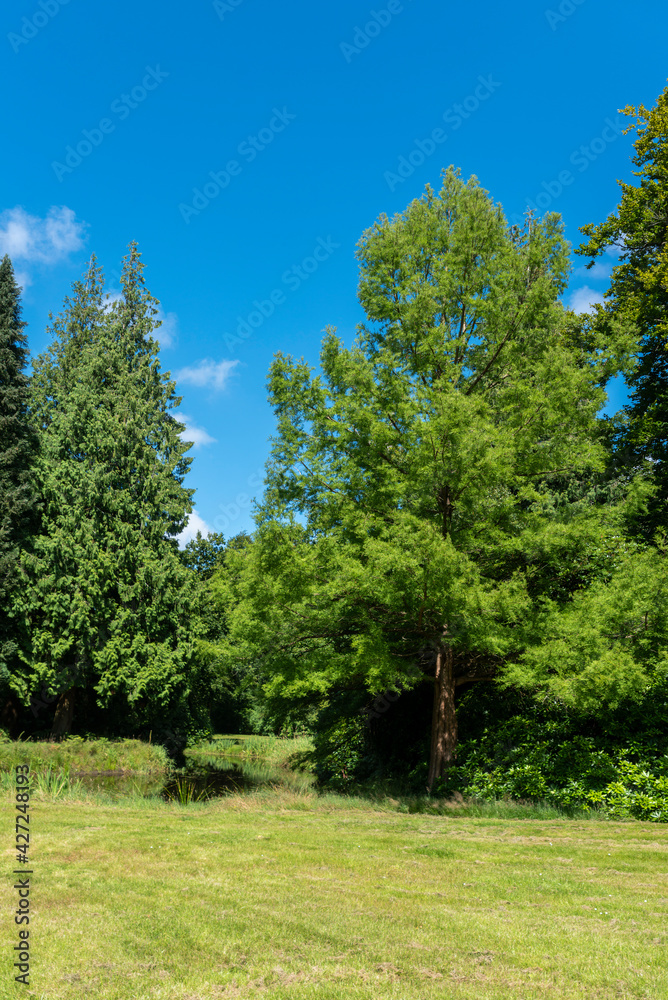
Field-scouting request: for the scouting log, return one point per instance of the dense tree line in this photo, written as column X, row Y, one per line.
column 445, row 513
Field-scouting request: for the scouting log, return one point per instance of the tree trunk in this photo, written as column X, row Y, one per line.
column 444, row 717
column 10, row 715
column 62, row 722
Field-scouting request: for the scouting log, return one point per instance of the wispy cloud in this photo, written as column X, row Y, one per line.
column 602, row 267
column 197, row 435
column 601, row 271
column 583, row 300
column 195, row 524
column 33, row 240
column 167, row 333
column 208, row 373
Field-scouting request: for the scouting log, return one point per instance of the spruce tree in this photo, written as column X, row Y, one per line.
column 108, row 595
column 18, row 444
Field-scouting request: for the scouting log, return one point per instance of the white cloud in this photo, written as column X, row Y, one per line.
column 195, row 524
column 208, row 373
column 45, row 241
column 23, row 279
column 193, row 433
column 599, row 272
column 167, row 333
column 583, row 300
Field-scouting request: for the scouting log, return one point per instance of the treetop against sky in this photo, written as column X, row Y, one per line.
column 246, row 146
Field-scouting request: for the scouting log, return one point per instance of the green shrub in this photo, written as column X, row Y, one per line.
column 341, row 753
column 570, row 761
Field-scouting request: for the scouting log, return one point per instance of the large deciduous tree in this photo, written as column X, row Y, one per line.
column 408, row 516
column 638, row 294
column 19, row 508
column 108, row 596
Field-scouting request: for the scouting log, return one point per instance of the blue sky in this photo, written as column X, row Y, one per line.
column 247, row 144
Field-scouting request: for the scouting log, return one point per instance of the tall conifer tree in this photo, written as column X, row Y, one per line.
column 19, row 506
column 638, row 294
column 109, row 595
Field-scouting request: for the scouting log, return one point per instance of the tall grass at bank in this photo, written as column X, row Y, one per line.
column 275, row 750
column 75, row 753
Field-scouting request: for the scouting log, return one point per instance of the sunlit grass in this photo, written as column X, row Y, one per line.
column 78, row 754
column 288, row 894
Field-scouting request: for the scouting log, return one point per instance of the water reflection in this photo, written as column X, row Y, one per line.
column 202, row 778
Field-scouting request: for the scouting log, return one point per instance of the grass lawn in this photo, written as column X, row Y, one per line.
column 286, row 895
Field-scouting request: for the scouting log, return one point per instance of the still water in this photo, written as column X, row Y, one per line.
column 204, row 778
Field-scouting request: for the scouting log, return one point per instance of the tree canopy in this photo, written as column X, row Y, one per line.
column 107, row 594
column 638, row 294
column 408, row 503
column 19, row 515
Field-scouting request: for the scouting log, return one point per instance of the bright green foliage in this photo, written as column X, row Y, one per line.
column 19, row 516
column 108, row 597
column 606, row 645
column 638, row 294
column 408, row 502
column 589, row 778
column 236, row 703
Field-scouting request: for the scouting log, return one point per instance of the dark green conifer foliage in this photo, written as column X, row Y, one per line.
column 638, row 294
column 18, row 444
column 204, row 555
column 109, row 596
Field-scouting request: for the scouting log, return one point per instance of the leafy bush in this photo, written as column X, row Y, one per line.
column 511, row 748
column 568, row 760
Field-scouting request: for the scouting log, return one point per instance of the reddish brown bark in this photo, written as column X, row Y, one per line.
column 444, row 717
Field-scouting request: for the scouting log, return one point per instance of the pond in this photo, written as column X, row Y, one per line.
column 204, row 778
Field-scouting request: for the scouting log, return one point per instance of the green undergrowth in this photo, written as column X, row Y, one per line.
column 510, row 749
column 78, row 754
column 576, row 771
